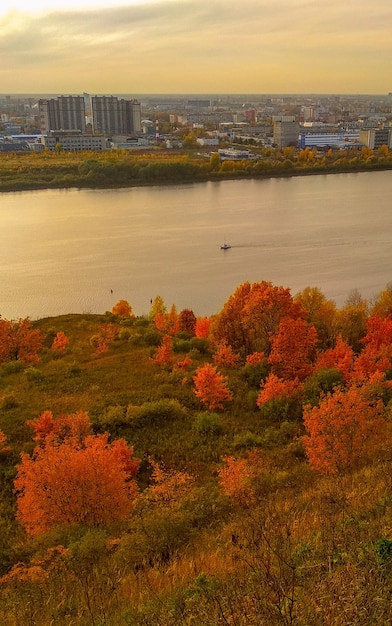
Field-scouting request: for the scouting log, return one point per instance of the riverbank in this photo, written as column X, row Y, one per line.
column 29, row 172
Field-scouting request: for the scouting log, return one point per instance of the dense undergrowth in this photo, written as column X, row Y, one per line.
column 272, row 541
column 124, row 169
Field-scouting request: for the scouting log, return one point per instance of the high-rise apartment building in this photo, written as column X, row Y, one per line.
column 115, row 116
column 62, row 113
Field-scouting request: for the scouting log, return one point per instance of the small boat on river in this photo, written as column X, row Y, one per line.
column 225, row 246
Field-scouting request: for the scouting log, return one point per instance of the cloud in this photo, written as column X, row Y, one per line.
column 172, row 40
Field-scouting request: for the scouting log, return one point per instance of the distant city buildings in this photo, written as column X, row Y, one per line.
column 107, row 122
column 107, row 115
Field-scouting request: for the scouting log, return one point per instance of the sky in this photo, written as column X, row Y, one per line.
column 195, row 46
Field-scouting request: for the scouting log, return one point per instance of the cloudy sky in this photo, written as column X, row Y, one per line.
column 195, row 46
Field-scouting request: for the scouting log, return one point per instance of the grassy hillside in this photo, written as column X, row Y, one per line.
column 271, row 541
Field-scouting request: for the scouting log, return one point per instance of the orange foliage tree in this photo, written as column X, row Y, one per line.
column 202, row 327
column 343, row 430
column 252, row 314
column 341, row 357
column 164, row 352
column 19, row 341
column 60, row 342
column 3, row 440
column 123, row 308
column 211, row 387
column 72, row 482
column 107, row 333
column 274, row 388
column 225, row 356
column 377, row 353
column 237, row 478
column 292, row 349
column 68, row 426
column 256, row 358
column 167, row 485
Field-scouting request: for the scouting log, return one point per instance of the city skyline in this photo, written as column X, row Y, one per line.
column 195, row 46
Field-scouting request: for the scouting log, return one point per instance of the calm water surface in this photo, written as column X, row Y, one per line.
column 64, row 251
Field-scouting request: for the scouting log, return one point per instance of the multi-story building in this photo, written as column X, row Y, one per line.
column 286, row 131
column 69, row 141
column 63, row 113
column 114, row 116
column 376, row 137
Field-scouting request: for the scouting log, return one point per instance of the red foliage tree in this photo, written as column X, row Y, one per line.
column 123, row 309
column 187, row 321
column 88, row 483
column 343, row 430
column 292, row 349
column 211, row 387
column 60, row 342
column 19, row 341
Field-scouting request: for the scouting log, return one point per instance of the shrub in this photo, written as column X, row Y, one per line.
column 208, row 423
column 155, row 413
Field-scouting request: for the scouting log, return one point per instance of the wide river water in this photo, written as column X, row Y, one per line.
column 78, row 251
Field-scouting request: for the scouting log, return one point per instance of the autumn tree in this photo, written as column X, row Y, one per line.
column 275, row 388
column 238, row 477
column 252, row 314
column 123, row 309
column 157, row 306
column 164, row 352
column 173, row 325
column 187, row 321
column 343, row 430
column 321, row 313
column 211, row 387
column 351, row 320
column 293, row 349
column 60, row 342
column 74, row 426
column 382, row 307
column 340, row 357
column 107, row 333
column 202, row 327
column 376, row 355
column 225, row 356
column 19, row 341
column 71, row 482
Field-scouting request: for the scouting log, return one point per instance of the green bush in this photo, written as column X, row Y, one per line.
column 207, row 423
column 156, row 413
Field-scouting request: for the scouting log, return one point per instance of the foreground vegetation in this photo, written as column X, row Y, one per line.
column 158, row 166
column 244, row 477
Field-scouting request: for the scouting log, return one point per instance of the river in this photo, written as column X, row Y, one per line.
column 79, row 251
